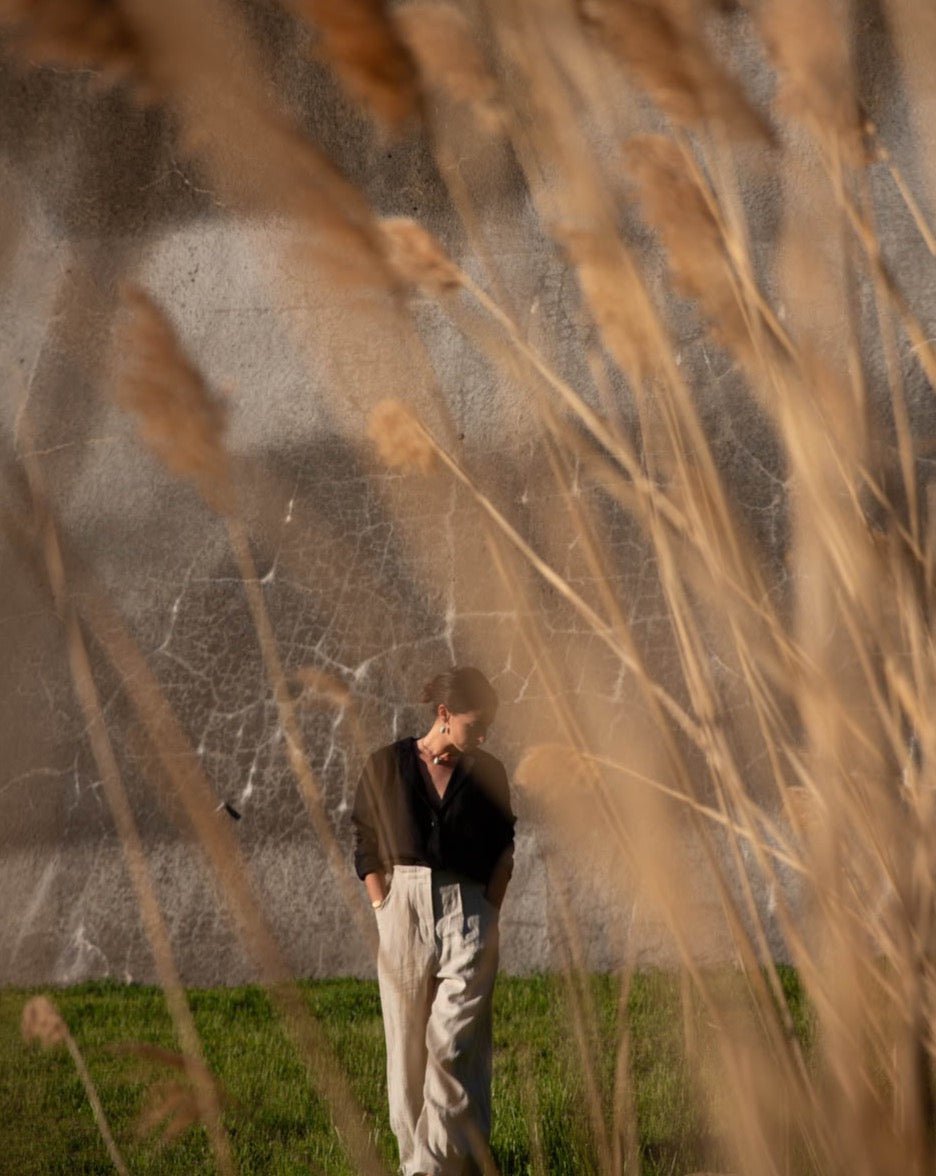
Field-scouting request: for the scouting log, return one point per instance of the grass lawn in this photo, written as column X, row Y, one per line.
column 543, row 1124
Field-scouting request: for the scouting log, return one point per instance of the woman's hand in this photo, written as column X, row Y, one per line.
column 497, row 883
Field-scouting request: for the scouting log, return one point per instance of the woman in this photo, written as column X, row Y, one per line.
column 434, row 814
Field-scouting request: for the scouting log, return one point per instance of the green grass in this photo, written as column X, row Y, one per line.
column 277, row 1124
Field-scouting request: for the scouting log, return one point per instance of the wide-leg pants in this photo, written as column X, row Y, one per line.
column 436, row 965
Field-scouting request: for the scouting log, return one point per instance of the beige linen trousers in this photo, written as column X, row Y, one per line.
column 436, row 966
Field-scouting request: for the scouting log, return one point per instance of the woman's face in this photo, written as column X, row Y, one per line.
column 466, row 730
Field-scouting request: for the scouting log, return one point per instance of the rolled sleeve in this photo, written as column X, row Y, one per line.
column 366, row 843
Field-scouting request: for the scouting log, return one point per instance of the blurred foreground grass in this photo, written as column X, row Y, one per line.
column 279, row 1126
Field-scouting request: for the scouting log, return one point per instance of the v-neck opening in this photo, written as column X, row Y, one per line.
column 436, row 802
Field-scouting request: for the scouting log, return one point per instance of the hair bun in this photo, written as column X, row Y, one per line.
column 461, row 689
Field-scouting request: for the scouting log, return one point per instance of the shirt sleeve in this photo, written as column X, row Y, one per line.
column 366, row 843
column 501, row 796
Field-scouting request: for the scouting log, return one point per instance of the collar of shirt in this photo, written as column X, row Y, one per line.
column 460, row 774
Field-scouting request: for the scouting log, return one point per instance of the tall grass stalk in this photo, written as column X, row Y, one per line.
column 154, row 924
column 42, row 1022
column 192, row 793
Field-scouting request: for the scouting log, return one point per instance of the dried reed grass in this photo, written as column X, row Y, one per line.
column 817, row 683
column 359, row 39
column 809, row 45
column 173, row 1102
column 250, row 151
column 202, row 1090
column 882, row 153
column 313, row 681
column 309, row 786
column 170, row 1105
column 441, row 39
column 42, row 1022
column 179, row 418
column 699, row 263
column 182, row 422
column 193, row 797
column 400, row 438
column 416, row 258
column 662, row 44
column 617, row 300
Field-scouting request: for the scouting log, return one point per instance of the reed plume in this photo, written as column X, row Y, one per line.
column 695, row 246
column 400, row 439
column 416, row 258
column 193, row 797
column 443, row 43
column 202, row 1087
column 808, row 43
column 41, row 1022
column 616, row 298
column 360, row 41
column 661, row 43
column 182, row 423
column 180, row 420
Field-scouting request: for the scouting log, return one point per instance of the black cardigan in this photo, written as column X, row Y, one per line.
column 395, row 823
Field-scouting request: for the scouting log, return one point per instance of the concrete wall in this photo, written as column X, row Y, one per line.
column 371, row 576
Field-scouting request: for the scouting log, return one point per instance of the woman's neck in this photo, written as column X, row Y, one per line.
column 435, row 747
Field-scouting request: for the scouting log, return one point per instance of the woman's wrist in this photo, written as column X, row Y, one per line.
column 376, row 887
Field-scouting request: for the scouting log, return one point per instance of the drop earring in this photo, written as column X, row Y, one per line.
column 443, row 729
